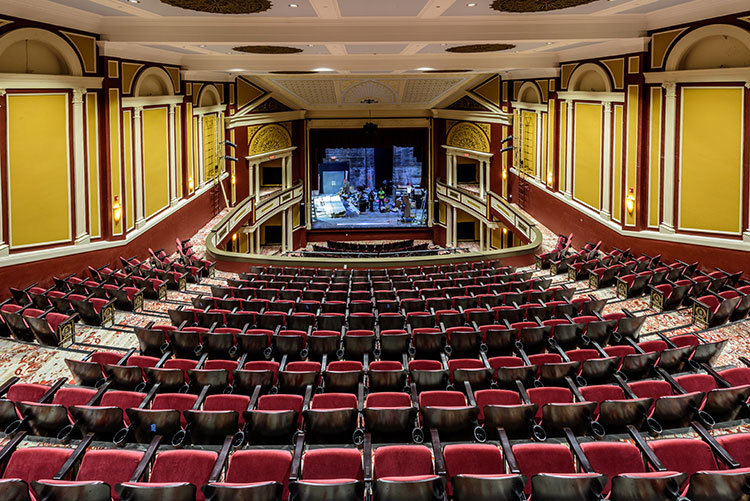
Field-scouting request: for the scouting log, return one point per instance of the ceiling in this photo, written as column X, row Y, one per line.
column 383, row 39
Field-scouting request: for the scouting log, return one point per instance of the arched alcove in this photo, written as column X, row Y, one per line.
column 529, row 93
column 715, row 46
column 36, row 51
column 153, row 81
column 209, row 96
column 589, row 77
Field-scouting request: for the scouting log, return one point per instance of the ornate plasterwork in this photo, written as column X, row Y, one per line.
column 272, row 137
column 369, row 89
column 468, row 136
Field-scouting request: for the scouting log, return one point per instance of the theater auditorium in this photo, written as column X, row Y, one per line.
column 357, row 250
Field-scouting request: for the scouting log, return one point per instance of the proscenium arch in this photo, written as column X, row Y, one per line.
column 56, row 44
column 151, row 77
column 530, row 93
column 209, row 96
column 590, row 73
column 685, row 45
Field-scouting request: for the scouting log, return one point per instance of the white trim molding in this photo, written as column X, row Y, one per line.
column 602, row 97
column 10, row 81
column 264, row 118
column 474, row 116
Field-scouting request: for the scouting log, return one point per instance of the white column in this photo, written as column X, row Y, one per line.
column 670, row 118
column 448, row 160
column 79, row 167
column 568, row 152
column 454, row 228
column 257, row 240
column 283, row 232
column 290, row 229
column 138, row 163
column 257, row 183
column 480, row 172
column 538, row 149
column 4, row 248
column 481, row 236
column 172, row 155
column 605, row 213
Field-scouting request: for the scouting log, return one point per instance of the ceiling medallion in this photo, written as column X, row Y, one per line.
column 267, row 49
column 222, row 6
column 535, row 5
column 482, row 47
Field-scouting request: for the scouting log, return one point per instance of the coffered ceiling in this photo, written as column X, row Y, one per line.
column 392, row 42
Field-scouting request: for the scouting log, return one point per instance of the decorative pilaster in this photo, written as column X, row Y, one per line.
column 538, row 147
column 79, row 167
column 138, row 163
column 172, row 156
column 569, row 152
column 4, row 248
column 670, row 117
column 605, row 213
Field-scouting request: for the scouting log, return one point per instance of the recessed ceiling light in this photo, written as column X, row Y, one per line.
column 293, row 5
column 549, row 43
column 309, row 45
column 236, row 70
column 134, row 1
column 425, row 69
column 323, row 69
column 202, row 46
column 471, row 4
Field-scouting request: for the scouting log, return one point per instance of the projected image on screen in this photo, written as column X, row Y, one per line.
column 369, row 187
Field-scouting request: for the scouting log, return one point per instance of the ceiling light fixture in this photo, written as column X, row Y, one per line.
column 323, row 69
column 134, row 1
column 471, row 4
column 425, row 69
column 236, row 70
column 293, row 5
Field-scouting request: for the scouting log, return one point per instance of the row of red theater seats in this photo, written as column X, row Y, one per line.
column 715, row 469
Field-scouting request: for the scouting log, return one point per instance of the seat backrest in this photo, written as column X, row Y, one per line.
column 442, row 399
column 386, row 365
column 465, row 363
column 330, row 464
column 122, row 399
column 74, row 395
column 619, row 350
column 600, row 393
column 259, row 466
column 581, row 355
column 550, row 395
column 344, row 366
column 142, row 361
column 473, row 459
column 545, row 358
column 536, row 458
column 35, row 463
column 180, row 363
column 388, row 399
column 651, row 389
column 105, row 357
column 227, row 365
column 222, row 402
column 738, row 446
column 737, row 377
column 656, row 345
column 179, row 401
column 334, row 401
column 113, row 466
column 184, row 465
column 402, row 460
column 684, row 454
column 281, row 402
column 497, row 362
column 685, row 340
column 26, row 392
column 425, row 365
column 613, row 458
column 697, row 382
column 262, row 365
column 303, row 367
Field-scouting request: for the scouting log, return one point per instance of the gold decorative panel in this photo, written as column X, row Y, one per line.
column 269, row 138
column 468, row 136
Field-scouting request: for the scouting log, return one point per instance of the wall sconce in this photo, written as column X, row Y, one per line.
column 191, row 184
column 234, row 237
column 630, row 201
column 234, row 179
column 505, row 174
column 550, row 178
column 117, row 210
column 505, row 231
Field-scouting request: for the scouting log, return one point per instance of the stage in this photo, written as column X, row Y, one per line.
column 331, row 212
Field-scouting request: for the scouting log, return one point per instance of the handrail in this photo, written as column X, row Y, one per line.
column 237, row 214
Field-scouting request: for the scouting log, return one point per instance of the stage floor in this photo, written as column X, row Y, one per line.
column 325, row 207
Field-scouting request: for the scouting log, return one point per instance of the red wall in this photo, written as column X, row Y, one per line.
column 562, row 218
column 183, row 224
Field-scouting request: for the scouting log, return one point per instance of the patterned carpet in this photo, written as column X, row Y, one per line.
column 33, row 363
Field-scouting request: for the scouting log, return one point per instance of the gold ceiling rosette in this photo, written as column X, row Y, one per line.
column 222, row 6
column 535, row 5
column 480, row 47
column 267, row 49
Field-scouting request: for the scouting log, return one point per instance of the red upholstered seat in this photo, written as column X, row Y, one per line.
column 237, row 403
column 334, row 401
column 612, row 459
column 178, row 401
column 193, row 466
column 112, row 466
column 387, row 400
column 332, row 466
column 402, row 462
column 534, row 458
column 495, row 397
column 26, row 392
column 249, row 467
